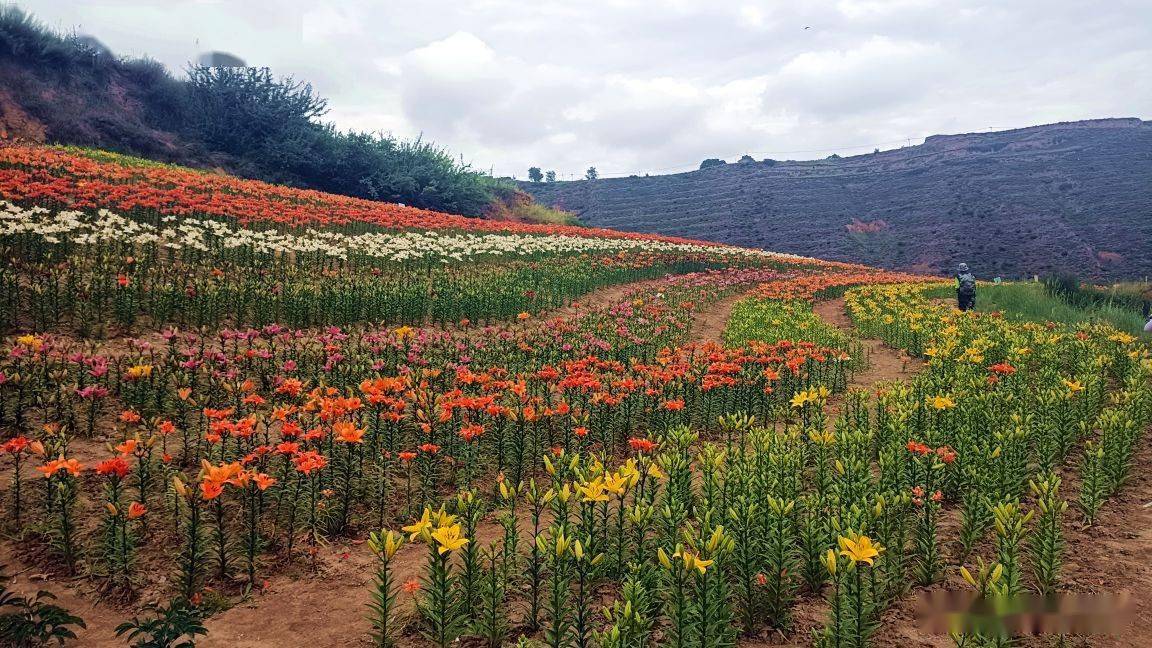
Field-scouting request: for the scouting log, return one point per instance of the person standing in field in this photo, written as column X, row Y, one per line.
column 965, row 288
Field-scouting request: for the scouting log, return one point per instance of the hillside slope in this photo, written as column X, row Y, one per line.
column 1063, row 197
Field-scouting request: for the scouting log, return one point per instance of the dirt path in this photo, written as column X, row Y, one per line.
column 101, row 619
column 708, row 325
column 884, row 362
column 604, row 297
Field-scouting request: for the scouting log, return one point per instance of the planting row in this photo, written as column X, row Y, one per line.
column 96, row 275
column 66, row 178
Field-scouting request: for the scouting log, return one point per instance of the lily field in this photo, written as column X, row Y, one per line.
column 240, row 414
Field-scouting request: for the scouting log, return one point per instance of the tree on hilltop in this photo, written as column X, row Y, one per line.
column 591, row 174
column 550, row 176
column 534, row 174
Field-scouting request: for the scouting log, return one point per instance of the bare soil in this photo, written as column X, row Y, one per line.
column 708, row 325
column 884, row 363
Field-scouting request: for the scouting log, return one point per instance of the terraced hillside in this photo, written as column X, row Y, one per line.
column 1063, row 197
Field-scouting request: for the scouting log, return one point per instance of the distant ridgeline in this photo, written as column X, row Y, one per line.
column 1070, row 197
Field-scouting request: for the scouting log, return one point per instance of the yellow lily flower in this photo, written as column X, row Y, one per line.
column 449, row 538
column 421, row 528
column 443, row 519
column 694, row 561
column 593, row 491
column 1074, row 386
column 616, row 484
column 942, row 402
column 859, row 549
column 654, row 472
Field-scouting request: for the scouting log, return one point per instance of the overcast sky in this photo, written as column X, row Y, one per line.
column 636, row 86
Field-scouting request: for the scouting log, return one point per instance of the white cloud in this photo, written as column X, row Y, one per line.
column 880, row 9
column 645, row 85
column 879, row 73
column 327, row 22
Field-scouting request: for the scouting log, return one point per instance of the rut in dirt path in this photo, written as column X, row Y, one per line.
column 708, row 325
column 884, row 363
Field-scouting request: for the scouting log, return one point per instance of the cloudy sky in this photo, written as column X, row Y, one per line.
column 638, row 86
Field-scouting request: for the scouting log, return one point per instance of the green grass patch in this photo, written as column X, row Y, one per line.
column 1031, row 302
column 537, row 213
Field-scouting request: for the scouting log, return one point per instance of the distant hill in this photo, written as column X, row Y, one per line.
column 1069, row 197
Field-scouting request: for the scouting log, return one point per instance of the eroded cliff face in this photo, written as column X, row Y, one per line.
column 1072, row 197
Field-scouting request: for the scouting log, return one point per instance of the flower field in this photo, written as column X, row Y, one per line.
column 213, row 391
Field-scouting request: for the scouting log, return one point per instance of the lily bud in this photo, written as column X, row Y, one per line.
column 830, row 562
column 968, row 576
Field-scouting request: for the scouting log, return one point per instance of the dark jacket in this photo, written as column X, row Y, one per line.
column 966, row 283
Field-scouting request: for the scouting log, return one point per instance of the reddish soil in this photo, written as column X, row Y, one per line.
column 101, row 619
column 884, row 363
column 602, row 298
column 15, row 124
column 708, row 325
column 1112, row 557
